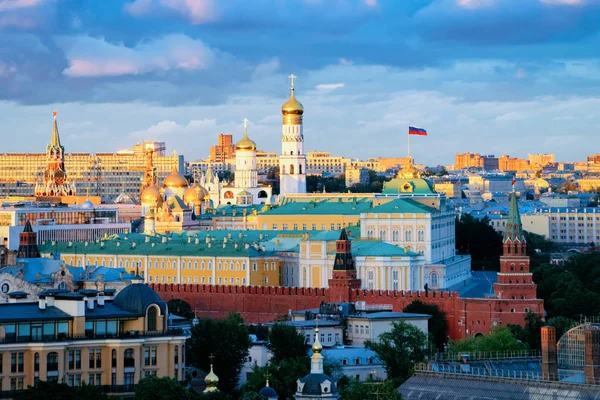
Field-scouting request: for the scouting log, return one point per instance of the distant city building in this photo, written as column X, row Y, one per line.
column 322, row 162
column 578, row 227
column 57, row 172
column 540, row 160
column 452, row 190
column 589, row 183
column 356, row 176
column 593, row 163
column 475, row 160
column 223, row 150
column 508, row 163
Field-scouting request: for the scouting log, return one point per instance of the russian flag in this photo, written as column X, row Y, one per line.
column 413, row 130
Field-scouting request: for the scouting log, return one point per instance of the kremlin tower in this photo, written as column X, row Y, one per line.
column 246, row 173
column 343, row 280
column 292, row 163
column 514, row 279
column 55, row 176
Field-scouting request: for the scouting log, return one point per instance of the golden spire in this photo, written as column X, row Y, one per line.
column 317, row 347
column 55, row 140
column 212, row 380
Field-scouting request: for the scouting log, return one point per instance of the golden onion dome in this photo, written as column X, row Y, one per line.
column 292, row 106
column 175, row 180
column 191, row 194
column 151, row 195
column 245, row 143
column 211, row 381
column 203, row 193
column 317, row 347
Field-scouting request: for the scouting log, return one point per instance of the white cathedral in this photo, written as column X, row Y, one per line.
column 245, row 190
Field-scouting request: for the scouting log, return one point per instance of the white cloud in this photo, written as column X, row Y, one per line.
column 196, row 11
column 565, row 2
column 329, row 86
column 6, row 5
column 475, row 3
column 91, row 57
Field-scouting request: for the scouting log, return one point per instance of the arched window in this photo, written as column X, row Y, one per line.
column 370, row 282
column 394, row 236
column 292, row 169
column 128, row 360
column 36, row 362
column 283, row 170
column 382, row 235
column 114, row 358
column 152, row 314
column 408, row 236
column 434, row 279
column 395, row 282
column 300, row 169
column 52, row 362
column 421, row 236
column 176, row 355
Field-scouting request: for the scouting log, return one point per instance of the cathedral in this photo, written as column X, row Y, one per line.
column 56, row 182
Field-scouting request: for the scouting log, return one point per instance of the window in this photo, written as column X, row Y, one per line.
column 332, row 226
column 285, row 227
column 210, row 265
column 434, row 279
column 74, row 359
column 313, row 227
column 152, row 316
column 146, row 355
column 114, row 360
column 329, row 337
column 362, row 329
column 128, row 360
column 153, row 355
column 16, row 383
column 394, row 236
column 407, row 236
column 52, row 362
column 95, row 360
column 254, row 268
column 36, row 362
column 266, row 280
column 303, row 227
column 295, row 227
column 220, row 266
column 370, row 282
column 274, row 227
column 382, row 235
column 421, row 236
column 395, row 280
column 356, row 329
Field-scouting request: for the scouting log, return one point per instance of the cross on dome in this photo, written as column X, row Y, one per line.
column 245, row 125
column 292, row 77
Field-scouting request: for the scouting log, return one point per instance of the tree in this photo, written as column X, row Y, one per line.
column 214, row 396
column 533, row 330
column 497, row 340
column 228, row 341
column 562, row 325
column 251, row 396
column 282, row 376
column 477, row 238
column 53, row 390
column 370, row 390
column 285, row 342
column 181, row 308
column 154, row 388
column 399, row 349
column 438, row 326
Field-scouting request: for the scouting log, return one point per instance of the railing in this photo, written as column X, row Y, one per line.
column 133, row 334
column 486, row 355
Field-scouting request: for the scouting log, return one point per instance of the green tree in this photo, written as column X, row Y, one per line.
column 227, row 340
column 181, row 308
column 562, row 325
column 214, row 396
column 154, row 388
column 533, row 333
column 282, row 376
column 285, row 342
column 399, row 349
column 477, row 238
column 53, row 390
column 251, row 396
column 438, row 326
column 370, row 390
column 497, row 340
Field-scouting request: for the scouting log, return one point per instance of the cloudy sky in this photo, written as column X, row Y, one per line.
column 488, row 76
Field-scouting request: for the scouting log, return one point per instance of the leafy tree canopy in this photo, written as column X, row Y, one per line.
column 227, row 340
column 497, row 340
column 285, row 342
column 154, row 388
column 477, row 238
column 370, row 390
column 181, row 308
column 51, row 390
column 438, row 326
column 399, row 349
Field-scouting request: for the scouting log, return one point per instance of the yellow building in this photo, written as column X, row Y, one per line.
column 452, row 190
column 212, row 258
column 87, row 337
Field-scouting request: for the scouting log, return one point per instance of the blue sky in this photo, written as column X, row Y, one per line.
column 490, row 76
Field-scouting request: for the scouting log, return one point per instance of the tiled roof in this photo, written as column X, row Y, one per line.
column 403, row 206
column 338, row 206
column 376, row 248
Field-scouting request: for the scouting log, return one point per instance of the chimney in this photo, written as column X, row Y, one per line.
column 189, row 239
column 42, row 303
column 49, row 301
column 147, row 239
column 101, row 299
column 549, row 358
column 90, row 303
column 197, row 241
column 591, row 368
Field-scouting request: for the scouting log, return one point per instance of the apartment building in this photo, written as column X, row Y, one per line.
column 223, row 150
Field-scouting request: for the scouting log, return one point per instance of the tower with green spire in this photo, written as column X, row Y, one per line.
column 514, row 279
column 55, row 177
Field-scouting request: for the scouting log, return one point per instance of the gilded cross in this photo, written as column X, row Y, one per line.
column 245, row 124
column 292, row 77
column 212, row 357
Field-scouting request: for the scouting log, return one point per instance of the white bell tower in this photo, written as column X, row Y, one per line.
column 292, row 162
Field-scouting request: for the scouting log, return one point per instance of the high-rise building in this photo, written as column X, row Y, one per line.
column 292, row 162
column 475, row 160
column 508, row 163
column 223, row 150
column 96, row 174
column 540, row 160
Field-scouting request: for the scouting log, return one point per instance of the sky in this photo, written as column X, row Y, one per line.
column 488, row 76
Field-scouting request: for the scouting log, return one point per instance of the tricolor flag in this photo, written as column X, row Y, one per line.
column 414, row 130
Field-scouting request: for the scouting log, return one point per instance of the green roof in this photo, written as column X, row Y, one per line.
column 375, row 248
column 514, row 228
column 340, row 206
column 403, row 206
column 418, row 186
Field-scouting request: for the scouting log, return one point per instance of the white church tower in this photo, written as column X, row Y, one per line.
column 246, row 172
column 292, row 163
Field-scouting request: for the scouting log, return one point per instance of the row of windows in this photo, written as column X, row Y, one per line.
column 313, row 227
column 396, row 235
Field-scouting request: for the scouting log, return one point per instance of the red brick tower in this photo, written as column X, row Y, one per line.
column 514, row 279
column 28, row 243
column 344, row 275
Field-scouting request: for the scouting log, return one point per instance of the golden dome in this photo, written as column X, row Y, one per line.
column 245, row 143
column 211, row 380
column 151, row 195
column 292, row 106
column 175, row 180
column 203, row 193
column 191, row 194
column 317, row 347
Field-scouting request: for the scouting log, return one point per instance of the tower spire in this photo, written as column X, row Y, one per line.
column 55, row 140
column 514, row 228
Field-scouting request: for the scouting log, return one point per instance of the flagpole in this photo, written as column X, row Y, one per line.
column 408, row 139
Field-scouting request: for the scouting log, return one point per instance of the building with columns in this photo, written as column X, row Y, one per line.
column 292, row 162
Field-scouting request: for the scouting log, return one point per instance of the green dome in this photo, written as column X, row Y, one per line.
column 137, row 297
